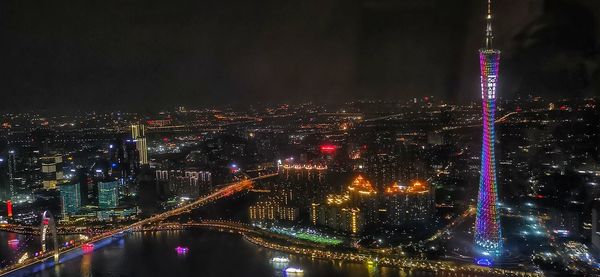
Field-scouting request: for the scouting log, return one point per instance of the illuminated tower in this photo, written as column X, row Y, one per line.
column 12, row 167
column 488, row 233
column 138, row 134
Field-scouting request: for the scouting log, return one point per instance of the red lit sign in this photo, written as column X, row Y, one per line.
column 328, row 148
column 9, row 208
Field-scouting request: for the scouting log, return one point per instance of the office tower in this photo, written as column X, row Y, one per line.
column 70, row 197
column 108, row 194
column 85, row 183
column 52, row 171
column 488, row 233
column 138, row 134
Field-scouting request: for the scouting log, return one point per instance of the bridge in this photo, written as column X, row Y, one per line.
column 226, row 191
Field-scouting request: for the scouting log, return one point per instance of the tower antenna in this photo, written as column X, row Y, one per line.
column 489, row 36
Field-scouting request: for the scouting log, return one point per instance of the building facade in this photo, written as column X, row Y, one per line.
column 108, row 194
column 70, row 196
column 138, row 134
column 52, row 171
column 413, row 204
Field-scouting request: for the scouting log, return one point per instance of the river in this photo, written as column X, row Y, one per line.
column 210, row 254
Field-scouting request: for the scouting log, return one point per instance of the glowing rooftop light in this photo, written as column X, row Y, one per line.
column 361, row 185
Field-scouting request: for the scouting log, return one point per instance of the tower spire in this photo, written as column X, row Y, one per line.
column 489, row 36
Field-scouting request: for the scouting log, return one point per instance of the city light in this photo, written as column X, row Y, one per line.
column 328, row 148
column 272, row 147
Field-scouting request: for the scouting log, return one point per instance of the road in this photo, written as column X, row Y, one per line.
column 228, row 190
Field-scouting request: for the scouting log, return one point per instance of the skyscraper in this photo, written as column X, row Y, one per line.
column 52, row 171
column 70, row 197
column 488, row 233
column 138, row 134
column 108, row 194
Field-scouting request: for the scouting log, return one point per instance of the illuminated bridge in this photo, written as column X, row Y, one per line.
column 226, row 191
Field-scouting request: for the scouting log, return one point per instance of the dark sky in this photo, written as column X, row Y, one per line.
column 144, row 55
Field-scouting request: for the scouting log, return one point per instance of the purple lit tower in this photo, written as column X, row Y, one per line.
column 488, row 233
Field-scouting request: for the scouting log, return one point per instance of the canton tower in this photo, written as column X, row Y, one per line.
column 488, row 234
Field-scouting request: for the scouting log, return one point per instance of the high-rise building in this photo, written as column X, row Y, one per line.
column 277, row 206
column 138, row 134
column 364, row 196
column 70, row 197
column 12, row 167
column 85, row 182
column 338, row 214
column 488, row 233
column 108, row 194
column 408, row 204
column 189, row 182
column 264, row 211
column 52, row 171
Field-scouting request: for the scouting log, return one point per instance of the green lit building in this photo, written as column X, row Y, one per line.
column 70, row 197
column 108, row 194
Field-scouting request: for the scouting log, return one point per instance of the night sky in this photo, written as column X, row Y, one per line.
column 147, row 55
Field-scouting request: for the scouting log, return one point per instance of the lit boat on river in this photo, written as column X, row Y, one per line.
column 280, row 260
column 293, row 270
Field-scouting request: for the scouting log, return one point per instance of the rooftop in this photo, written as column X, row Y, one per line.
column 416, row 186
column 361, row 185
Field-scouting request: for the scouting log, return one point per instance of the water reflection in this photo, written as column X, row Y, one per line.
column 86, row 265
column 210, row 253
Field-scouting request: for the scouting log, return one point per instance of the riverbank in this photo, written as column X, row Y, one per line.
column 423, row 265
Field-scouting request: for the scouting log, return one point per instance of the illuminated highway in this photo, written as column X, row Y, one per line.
column 457, row 221
column 499, row 120
column 203, row 200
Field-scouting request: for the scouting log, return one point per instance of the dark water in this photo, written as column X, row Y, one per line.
column 211, row 254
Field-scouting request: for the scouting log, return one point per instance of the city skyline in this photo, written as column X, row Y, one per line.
column 321, row 138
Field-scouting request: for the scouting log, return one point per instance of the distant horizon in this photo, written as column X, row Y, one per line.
column 247, row 106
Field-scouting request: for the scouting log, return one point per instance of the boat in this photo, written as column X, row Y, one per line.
column 293, row 270
column 280, row 260
column 182, row 249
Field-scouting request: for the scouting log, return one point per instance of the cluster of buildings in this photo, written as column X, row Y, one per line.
column 276, row 207
column 75, row 203
column 361, row 205
column 187, row 183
